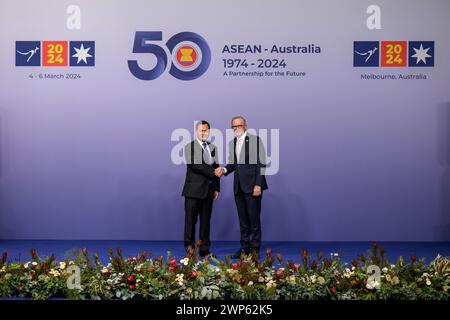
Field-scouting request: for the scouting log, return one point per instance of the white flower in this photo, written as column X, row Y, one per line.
column 180, row 279
column 388, row 278
column 62, row 265
column 428, row 282
column 313, row 278
column 105, row 270
column 184, row 261
column 260, row 279
column 334, row 254
column 385, row 270
column 34, row 263
column 353, row 268
column 271, row 284
column 71, row 263
column 291, row 279
column 26, row 265
column 321, row 280
column 250, row 283
column 3, row 269
column 54, row 273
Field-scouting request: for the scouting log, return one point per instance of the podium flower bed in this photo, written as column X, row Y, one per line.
column 143, row 277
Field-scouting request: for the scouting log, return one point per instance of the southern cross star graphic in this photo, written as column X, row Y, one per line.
column 421, row 54
column 82, row 54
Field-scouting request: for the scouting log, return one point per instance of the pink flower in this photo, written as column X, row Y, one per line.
column 234, row 265
column 130, row 278
column 280, row 273
column 132, row 287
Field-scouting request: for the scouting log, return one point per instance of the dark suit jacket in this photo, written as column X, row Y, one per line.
column 199, row 174
column 249, row 168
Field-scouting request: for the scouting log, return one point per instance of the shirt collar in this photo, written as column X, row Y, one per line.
column 243, row 136
column 200, row 142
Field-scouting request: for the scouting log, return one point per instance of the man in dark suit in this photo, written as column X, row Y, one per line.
column 201, row 187
column 247, row 161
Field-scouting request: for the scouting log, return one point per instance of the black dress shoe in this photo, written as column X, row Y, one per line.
column 204, row 254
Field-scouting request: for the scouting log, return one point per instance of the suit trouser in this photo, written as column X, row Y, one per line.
column 193, row 208
column 249, row 212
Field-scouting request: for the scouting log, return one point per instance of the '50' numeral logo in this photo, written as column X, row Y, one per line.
column 191, row 55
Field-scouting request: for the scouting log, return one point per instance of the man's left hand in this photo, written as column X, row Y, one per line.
column 256, row 191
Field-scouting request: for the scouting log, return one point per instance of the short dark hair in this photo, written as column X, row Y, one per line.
column 201, row 122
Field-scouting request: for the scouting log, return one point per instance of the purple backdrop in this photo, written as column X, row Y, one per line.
column 360, row 159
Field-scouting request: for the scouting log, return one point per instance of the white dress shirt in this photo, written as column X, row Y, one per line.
column 206, row 149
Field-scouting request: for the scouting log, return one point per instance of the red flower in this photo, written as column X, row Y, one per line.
column 172, row 268
column 279, row 273
column 130, row 278
column 173, row 262
column 194, row 274
column 333, row 290
column 234, row 265
column 132, row 287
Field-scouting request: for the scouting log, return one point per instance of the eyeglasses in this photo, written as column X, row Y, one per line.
column 238, row 126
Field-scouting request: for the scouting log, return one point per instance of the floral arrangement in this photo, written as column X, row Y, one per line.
column 371, row 276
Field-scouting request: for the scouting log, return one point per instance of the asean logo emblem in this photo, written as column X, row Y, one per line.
column 187, row 56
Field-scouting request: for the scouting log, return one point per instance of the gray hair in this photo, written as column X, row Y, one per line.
column 238, row 117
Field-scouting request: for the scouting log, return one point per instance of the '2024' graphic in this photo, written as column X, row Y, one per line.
column 190, row 55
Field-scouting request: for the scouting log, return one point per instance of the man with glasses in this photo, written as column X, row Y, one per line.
column 247, row 161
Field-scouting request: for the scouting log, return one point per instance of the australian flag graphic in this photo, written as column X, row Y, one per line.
column 421, row 54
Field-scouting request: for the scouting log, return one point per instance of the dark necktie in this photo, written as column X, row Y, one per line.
column 206, row 155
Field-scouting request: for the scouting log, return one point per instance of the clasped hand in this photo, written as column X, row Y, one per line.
column 219, row 172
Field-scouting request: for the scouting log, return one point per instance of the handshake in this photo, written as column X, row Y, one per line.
column 219, row 172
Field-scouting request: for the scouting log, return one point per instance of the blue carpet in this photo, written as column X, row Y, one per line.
column 18, row 250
